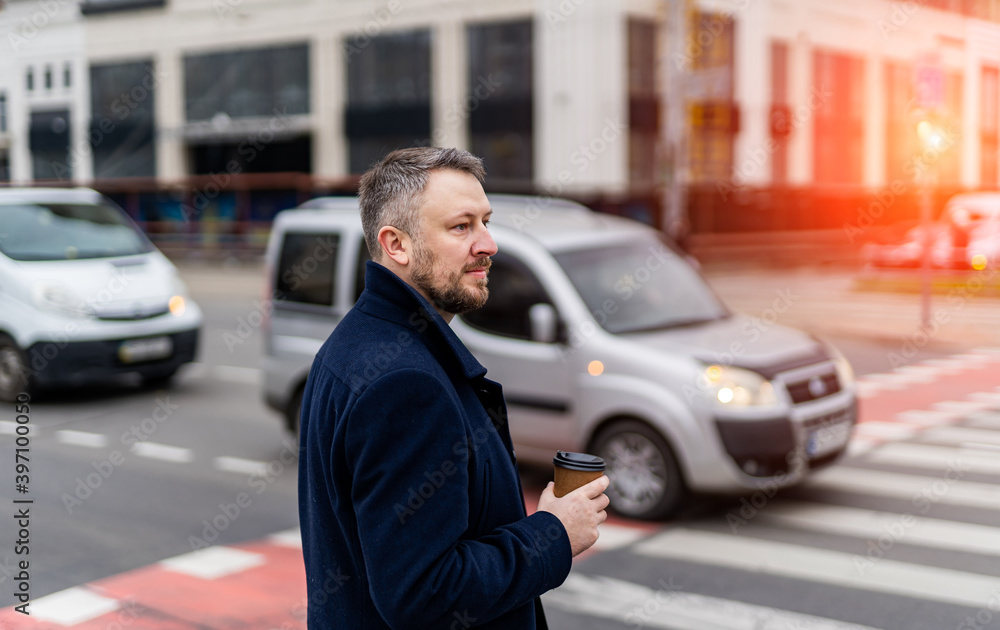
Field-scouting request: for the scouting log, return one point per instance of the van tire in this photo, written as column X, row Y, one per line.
column 15, row 377
column 161, row 379
column 646, row 481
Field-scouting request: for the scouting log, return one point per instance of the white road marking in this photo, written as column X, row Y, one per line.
column 885, row 430
column 240, row 465
column 862, row 446
column 868, row 390
column 926, row 417
column 81, row 438
column 288, row 538
column 958, row 435
column 615, row 536
column 213, row 562
column 961, row 406
column 822, row 566
column 9, row 427
column 935, row 489
column 236, row 374
column 936, row 458
column 641, row 606
column 72, row 606
column 907, row 529
column 164, row 452
column 991, row 398
column 983, row 420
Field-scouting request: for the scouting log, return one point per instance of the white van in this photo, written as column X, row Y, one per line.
column 84, row 295
column 605, row 340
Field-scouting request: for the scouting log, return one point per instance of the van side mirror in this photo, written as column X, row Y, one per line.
column 544, row 323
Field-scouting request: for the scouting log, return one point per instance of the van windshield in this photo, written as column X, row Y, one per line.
column 640, row 286
column 68, row 231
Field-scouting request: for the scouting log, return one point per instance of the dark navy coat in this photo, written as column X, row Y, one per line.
column 409, row 499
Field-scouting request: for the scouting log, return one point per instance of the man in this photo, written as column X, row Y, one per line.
column 410, row 502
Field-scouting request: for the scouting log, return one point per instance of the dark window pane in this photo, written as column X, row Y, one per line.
column 500, row 99
column 49, row 139
column 67, row 76
column 307, row 268
column 247, row 83
column 514, row 289
column 29, row 79
column 48, row 77
column 388, row 95
column 279, row 156
column 123, row 128
column 3, row 112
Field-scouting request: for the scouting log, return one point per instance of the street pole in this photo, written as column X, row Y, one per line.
column 925, row 263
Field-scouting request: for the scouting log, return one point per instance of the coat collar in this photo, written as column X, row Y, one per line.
column 388, row 297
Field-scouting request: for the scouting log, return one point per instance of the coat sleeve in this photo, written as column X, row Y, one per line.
column 408, row 453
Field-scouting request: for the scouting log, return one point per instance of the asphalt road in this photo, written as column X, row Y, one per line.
column 101, row 508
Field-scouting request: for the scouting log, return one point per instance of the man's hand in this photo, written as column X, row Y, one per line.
column 580, row 511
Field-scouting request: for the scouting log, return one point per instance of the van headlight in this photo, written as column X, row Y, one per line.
column 731, row 387
column 60, row 299
column 845, row 373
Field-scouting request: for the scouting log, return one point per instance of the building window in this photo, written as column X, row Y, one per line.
column 712, row 115
column 901, row 137
column 247, row 83
column 48, row 77
column 267, row 84
column 988, row 126
column 29, row 79
column 4, row 166
column 388, row 96
column 3, row 112
column 499, row 99
column 950, row 163
column 123, row 124
column 67, row 76
column 49, row 137
column 643, row 102
column 838, row 120
column 780, row 116
column 90, row 7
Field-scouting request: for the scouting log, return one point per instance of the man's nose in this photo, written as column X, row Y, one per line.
column 485, row 245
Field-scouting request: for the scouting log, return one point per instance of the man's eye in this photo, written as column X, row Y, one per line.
column 461, row 226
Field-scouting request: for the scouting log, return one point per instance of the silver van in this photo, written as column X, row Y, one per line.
column 606, row 339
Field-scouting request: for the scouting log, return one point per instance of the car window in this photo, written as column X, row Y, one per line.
column 307, row 268
column 68, row 231
column 514, row 289
column 640, row 286
column 359, row 273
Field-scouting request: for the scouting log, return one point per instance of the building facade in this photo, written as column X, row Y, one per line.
column 691, row 103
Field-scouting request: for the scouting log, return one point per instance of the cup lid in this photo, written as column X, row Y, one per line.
column 578, row 461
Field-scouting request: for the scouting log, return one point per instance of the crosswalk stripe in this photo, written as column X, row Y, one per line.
column 925, row 417
column 935, row 457
column 885, row 430
column 920, row 489
column 236, row 374
column 961, row 407
column 983, row 420
column 907, row 529
column 239, row 465
column 822, row 566
column 163, row 452
column 81, row 438
column 641, row 606
column 961, row 435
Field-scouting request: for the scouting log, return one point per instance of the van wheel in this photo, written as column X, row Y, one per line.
column 161, row 379
column 14, row 376
column 294, row 411
column 646, row 481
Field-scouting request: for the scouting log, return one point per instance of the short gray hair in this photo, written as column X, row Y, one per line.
column 389, row 193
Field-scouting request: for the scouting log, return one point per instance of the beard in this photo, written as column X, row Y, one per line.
column 445, row 288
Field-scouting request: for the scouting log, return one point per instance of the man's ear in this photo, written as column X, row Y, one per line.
column 396, row 244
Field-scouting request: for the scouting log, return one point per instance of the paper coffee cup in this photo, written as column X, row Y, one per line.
column 573, row 470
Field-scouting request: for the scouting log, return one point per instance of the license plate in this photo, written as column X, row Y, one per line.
column 138, row 350
column 828, row 439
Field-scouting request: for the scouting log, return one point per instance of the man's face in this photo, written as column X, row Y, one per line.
column 451, row 252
